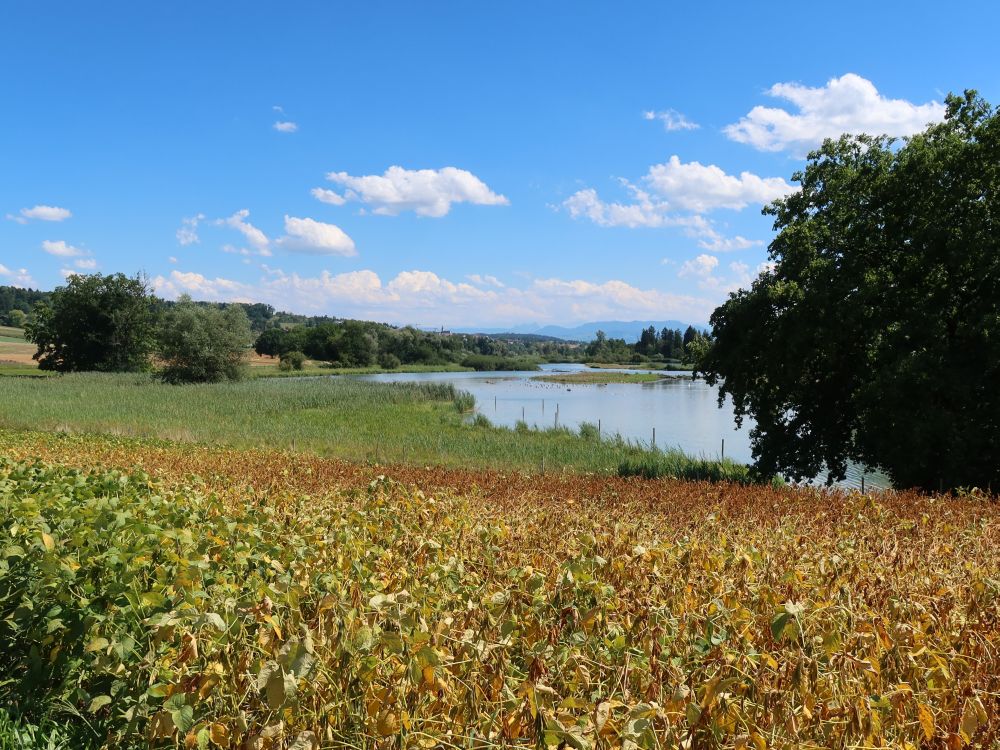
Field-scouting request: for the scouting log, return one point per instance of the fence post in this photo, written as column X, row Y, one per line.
column 654, row 437
column 723, row 455
column 598, row 428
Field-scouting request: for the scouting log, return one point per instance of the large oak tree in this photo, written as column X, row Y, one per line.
column 876, row 336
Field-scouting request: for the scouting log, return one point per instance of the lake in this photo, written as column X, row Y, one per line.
column 683, row 412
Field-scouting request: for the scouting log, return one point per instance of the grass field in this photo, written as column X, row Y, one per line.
column 601, row 378
column 340, row 417
column 269, row 599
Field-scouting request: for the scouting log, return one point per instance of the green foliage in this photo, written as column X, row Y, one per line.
column 17, row 318
column 389, row 361
column 676, row 465
column 876, row 338
column 95, row 323
column 16, row 298
column 292, row 361
column 493, row 363
column 203, row 344
column 47, row 734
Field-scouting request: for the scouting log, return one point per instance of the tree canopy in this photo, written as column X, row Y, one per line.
column 203, row 343
column 876, row 336
column 95, row 322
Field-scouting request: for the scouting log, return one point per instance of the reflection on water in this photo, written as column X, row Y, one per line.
column 684, row 413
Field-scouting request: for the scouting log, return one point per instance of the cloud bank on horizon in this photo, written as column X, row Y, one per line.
column 483, row 196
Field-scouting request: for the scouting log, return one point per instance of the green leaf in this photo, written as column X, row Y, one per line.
column 778, row 625
column 97, row 644
column 183, row 718
column 98, row 703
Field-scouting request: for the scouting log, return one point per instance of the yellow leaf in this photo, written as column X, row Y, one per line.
column 219, row 734
column 48, row 541
column 428, row 673
column 970, row 722
column 926, row 720
column 388, row 723
column 758, row 741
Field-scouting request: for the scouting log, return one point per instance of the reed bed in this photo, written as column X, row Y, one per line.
column 340, row 417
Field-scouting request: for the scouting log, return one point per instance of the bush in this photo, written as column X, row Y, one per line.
column 388, row 361
column 589, row 431
column 292, row 361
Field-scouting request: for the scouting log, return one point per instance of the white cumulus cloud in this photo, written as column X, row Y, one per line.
column 253, row 235
column 41, row 213
column 285, row 126
column 60, row 249
column 671, row 119
column 849, row 104
column 424, row 297
column 315, row 237
column 188, row 232
column 17, row 277
column 702, row 265
column 426, row 192
column 697, row 187
column 328, row 196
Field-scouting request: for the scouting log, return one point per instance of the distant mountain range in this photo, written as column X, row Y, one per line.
column 615, row 329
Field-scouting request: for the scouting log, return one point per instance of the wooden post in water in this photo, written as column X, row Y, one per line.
column 522, row 413
column 722, row 455
column 598, row 428
column 654, row 437
column 543, row 406
column 494, row 403
column 862, row 484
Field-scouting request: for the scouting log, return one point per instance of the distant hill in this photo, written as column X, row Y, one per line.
column 615, row 329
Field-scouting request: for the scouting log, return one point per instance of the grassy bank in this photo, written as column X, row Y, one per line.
column 284, row 601
column 341, row 417
column 601, row 378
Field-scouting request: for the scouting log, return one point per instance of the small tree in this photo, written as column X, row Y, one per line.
column 200, row 344
column 272, row 343
column 17, row 318
column 95, row 322
column 292, row 361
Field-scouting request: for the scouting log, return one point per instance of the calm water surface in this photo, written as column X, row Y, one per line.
column 684, row 412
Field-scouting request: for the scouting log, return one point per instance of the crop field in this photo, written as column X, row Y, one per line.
column 188, row 595
column 14, row 350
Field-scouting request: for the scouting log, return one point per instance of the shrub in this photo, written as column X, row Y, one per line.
column 388, row 361
column 292, row 361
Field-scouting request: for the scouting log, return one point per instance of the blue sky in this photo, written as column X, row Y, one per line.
column 445, row 163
